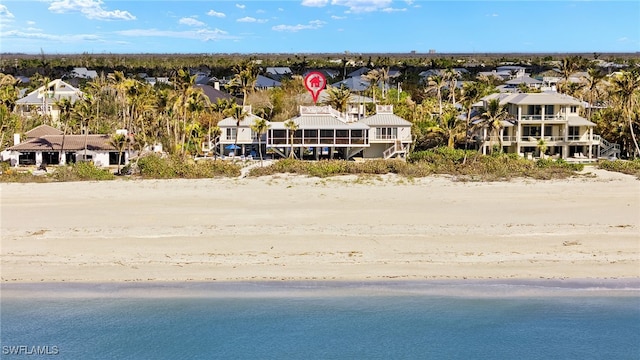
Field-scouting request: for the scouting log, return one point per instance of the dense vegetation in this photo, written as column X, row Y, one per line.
column 180, row 117
column 463, row 165
column 625, row 167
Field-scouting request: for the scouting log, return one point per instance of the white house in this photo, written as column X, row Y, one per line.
column 45, row 145
column 43, row 101
column 548, row 116
column 325, row 132
column 237, row 139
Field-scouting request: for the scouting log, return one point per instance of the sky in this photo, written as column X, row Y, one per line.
column 317, row 26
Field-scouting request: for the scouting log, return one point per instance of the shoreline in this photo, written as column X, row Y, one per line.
column 294, row 228
column 292, row 288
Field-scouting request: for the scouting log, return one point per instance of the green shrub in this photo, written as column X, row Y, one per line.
column 81, row 171
column 155, row 167
column 631, row 167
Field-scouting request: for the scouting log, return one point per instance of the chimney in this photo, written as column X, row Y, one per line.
column 16, row 139
column 216, row 85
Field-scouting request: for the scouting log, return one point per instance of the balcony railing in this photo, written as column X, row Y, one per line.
column 534, row 118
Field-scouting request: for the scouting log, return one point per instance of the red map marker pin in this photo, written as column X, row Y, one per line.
column 315, row 82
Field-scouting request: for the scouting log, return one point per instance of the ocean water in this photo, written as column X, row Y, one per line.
column 319, row 322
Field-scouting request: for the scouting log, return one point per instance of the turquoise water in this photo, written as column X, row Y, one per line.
column 303, row 324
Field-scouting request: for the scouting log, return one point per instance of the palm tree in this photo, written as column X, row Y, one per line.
column 259, row 127
column 373, row 77
column 451, row 77
column 237, row 112
column 435, row 84
column 626, row 88
column 244, row 80
column 492, row 118
column 183, row 84
column 339, row 98
column 65, row 106
column 592, row 87
column 119, row 141
column 292, row 127
column 542, row 146
column 471, row 94
column 450, row 126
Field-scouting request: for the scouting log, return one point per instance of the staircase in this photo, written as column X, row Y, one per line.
column 397, row 149
column 211, row 146
column 608, row 149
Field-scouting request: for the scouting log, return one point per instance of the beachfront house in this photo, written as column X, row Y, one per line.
column 237, row 138
column 323, row 132
column 44, row 100
column 389, row 134
column 46, row 145
column 547, row 120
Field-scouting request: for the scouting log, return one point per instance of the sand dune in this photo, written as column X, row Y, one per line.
column 299, row 228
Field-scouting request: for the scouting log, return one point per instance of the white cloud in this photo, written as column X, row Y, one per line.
column 390, row 10
column 31, row 22
column 50, row 37
column 335, row 17
column 189, row 21
column 315, row 3
column 216, row 14
column 201, row 34
column 623, row 39
column 240, row 6
column 91, row 9
column 5, row 13
column 492, row 15
column 250, row 19
column 360, row 6
column 315, row 24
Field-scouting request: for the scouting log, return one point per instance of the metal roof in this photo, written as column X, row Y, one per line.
column 385, row 119
column 246, row 122
column 579, row 121
column 544, row 98
column 320, row 121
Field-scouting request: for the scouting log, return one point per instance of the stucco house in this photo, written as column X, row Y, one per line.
column 43, row 101
column 46, row 145
column 548, row 116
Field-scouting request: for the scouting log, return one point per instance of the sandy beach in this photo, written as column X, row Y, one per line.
column 300, row 228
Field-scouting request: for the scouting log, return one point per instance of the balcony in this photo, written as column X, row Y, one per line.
column 540, row 118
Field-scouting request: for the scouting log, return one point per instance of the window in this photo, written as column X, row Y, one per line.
column 232, row 133
column 548, row 110
column 386, row 133
column 574, row 109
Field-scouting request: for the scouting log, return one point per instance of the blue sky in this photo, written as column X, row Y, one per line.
column 311, row 26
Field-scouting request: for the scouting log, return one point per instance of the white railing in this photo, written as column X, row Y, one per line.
column 541, row 118
column 396, row 148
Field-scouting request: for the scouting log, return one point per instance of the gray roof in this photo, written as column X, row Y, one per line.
column 323, row 97
column 523, row 80
column 579, row 121
column 320, row 121
column 278, row 70
column 385, row 119
column 60, row 90
column 353, row 83
column 231, row 122
column 265, row 82
column 544, row 98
